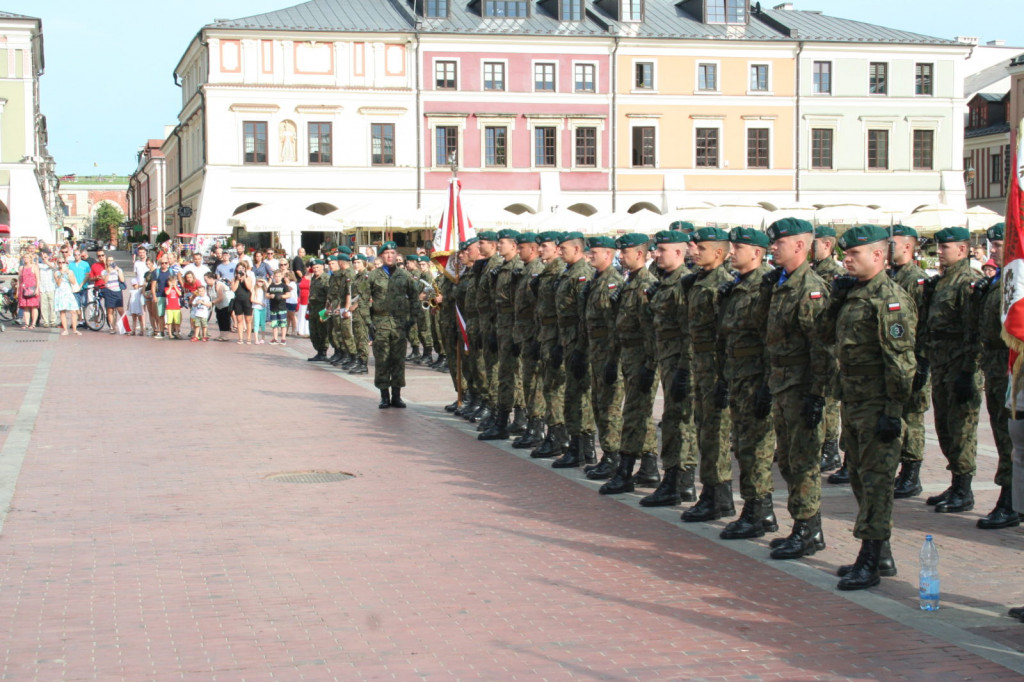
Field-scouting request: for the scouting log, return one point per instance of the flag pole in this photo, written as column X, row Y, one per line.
column 453, row 160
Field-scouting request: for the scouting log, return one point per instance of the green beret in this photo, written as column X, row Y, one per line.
column 652, row 246
column 672, row 236
column 507, row 234
column 386, row 246
column 487, row 236
column 824, row 231
column 600, row 243
column 710, row 234
column 527, row 238
column 468, row 243
column 568, row 237
column 681, row 226
column 549, row 236
column 748, row 235
column 346, row 250
column 344, row 258
column 785, row 227
column 333, row 257
column 996, row 232
column 952, row 234
column 316, row 261
column 903, row 231
column 359, row 256
column 632, row 239
column 862, row 234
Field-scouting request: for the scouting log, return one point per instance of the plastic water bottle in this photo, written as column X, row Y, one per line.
column 928, row 590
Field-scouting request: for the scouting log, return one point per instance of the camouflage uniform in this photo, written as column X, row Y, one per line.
column 635, row 340
column 912, row 279
column 423, row 320
column 995, row 359
column 487, row 314
column 599, row 311
column 828, row 269
column 318, row 330
column 579, row 416
column 394, row 305
column 510, row 383
column 338, row 289
column 551, row 376
column 524, row 333
column 473, row 363
column 361, row 318
column 448, row 333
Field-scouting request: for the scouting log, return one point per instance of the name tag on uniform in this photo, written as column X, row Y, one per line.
column 894, row 307
column 815, row 295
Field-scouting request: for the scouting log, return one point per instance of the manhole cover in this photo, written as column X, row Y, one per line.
column 310, row 477
column 31, row 341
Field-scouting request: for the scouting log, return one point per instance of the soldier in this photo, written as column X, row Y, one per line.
column 872, row 321
column 678, row 435
column 337, row 294
column 317, row 303
column 686, row 228
column 360, row 304
column 741, row 358
column 347, row 338
column 465, row 293
column 423, row 318
column 524, row 334
column 711, row 392
column 825, row 266
column 600, row 296
column 548, row 348
column 801, row 371
column 953, row 352
column 412, row 266
column 395, row 300
column 510, row 387
column 448, row 324
column 912, row 278
column 994, row 363
column 486, row 314
column 638, row 357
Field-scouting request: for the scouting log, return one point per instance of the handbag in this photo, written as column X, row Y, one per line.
column 28, row 292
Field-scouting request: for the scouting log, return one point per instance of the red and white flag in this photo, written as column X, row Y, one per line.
column 455, row 227
column 462, row 329
column 1013, row 258
column 124, row 325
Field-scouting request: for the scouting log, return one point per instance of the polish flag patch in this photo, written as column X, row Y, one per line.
column 581, row 279
column 815, row 295
column 921, row 281
column 612, row 286
column 894, row 307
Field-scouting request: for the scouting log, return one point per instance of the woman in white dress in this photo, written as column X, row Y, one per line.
column 64, row 301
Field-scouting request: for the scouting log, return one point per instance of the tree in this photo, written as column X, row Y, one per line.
column 107, row 216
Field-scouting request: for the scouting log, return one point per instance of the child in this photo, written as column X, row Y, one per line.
column 278, row 293
column 259, row 310
column 200, row 314
column 172, row 311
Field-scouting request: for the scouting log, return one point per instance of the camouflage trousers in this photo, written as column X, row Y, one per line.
column 872, row 466
column 423, row 323
column 799, row 453
column 956, row 424
column 490, row 366
column 389, row 345
column 997, row 382
column 509, row 380
column 753, row 439
column 361, row 336
column 712, row 424
column 318, row 330
column 533, row 385
column 414, row 335
column 832, row 419
column 579, row 414
column 342, row 336
column 678, row 434
column 473, row 364
column 638, row 432
column 552, row 380
column 912, row 449
column 606, row 400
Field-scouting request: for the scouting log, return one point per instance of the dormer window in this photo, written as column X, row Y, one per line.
column 725, row 11
column 506, row 8
column 570, row 10
column 631, row 10
column 435, row 9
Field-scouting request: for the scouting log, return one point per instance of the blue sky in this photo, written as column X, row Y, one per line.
column 108, row 85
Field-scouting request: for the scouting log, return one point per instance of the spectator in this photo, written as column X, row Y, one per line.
column 278, row 293
column 292, row 302
column 215, row 257
column 196, row 267
column 172, row 307
column 260, row 268
column 259, row 309
column 242, row 287
column 47, row 287
column 240, row 256
column 148, row 299
column 137, row 301
column 113, row 278
column 220, row 298
column 200, row 309
column 96, row 272
column 158, row 285
column 303, row 312
column 226, row 269
column 28, row 291
column 299, row 264
column 64, row 299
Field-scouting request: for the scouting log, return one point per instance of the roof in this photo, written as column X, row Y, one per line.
column 995, row 129
column 992, row 96
column 995, row 78
column 12, row 15
column 815, row 26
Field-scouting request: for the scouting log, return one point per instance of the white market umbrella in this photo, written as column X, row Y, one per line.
column 850, row 214
column 643, row 221
column 280, row 218
column 804, row 212
column 931, row 218
column 981, row 218
column 565, row 221
column 735, row 215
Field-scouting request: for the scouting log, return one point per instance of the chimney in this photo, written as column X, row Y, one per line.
column 996, row 43
column 967, row 40
column 784, row 6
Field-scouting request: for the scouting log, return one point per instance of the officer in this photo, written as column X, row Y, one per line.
column 360, row 305
column 994, row 363
column 337, row 296
column 572, row 348
column 638, row 357
column 523, row 335
column 667, row 299
column 600, row 304
column 686, row 228
column 346, row 336
column 465, row 293
column 548, row 348
column 906, row 272
column 953, row 351
column 741, row 360
column 317, row 303
column 510, row 386
column 800, row 374
column 395, row 300
column 487, row 314
column 825, row 266
column 711, row 392
column 872, row 321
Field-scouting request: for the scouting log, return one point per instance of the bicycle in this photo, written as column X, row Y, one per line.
column 94, row 312
column 8, row 307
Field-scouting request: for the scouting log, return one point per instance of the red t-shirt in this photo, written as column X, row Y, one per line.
column 96, row 275
column 173, row 298
column 304, row 291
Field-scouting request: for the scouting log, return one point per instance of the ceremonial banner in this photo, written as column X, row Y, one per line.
column 1013, row 258
column 455, row 227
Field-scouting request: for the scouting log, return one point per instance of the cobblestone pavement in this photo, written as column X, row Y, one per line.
column 147, row 539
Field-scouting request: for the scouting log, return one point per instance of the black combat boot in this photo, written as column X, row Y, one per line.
column 350, row 361
column 534, row 435
column 518, row 425
column 840, row 477
column 336, row 358
column 604, row 469
column 864, row 572
column 359, row 368
column 468, row 405
column 571, row 458
column 647, row 476
column 499, row 428
column 886, row 564
column 343, row 357
column 319, row 357
column 830, row 458
column 1003, row 516
column 451, row 407
column 487, row 420
column 427, row 356
column 483, row 412
column 751, row 523
column 715, row 501
column 667, row 493
column 943, row 496
column 442, row 364
column 588, row 453
column 805, row 540
column 622, row 481
column 687, row 486
column 908, row 482
column 961, row 499
column 554, row 444
column 414, row 355
column 396, row 397
column 385, row 399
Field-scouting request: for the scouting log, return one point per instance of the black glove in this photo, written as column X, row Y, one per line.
column 762, row 402
column 514, row 350
column 373, row 332
column 687, row 282
column 409, row 324
column 772, row 278
column 680, row 385
column 888, row 428
column 479, row 342
column 921, row 375
column 813, row 410
column 647, row 377
column 556, row 355
column 652, row 290
column 492, row 342
column 842, row 285
column 725, row 288
column 577, row 364
column 534, row 285
column 721, row 394
column 611, row 373
column 963, row 387
column 535, row 350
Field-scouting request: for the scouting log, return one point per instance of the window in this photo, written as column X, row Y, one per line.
column 978, row 117
column 255, row 142
column 924, row 144
column 447, row 141
column 707, row 77
column 495, row 146
column 759, row 78
column 544, row 146
column 822, row 78
column 444, row 75
column 644, row 76
column 586, row 146
column 923, row 79
column 632, row 10
column 382, row 144
column 505, row 8
column 437, row 9
column 571, row 10
column 878, row 149
column 544, row 77
column 707, row 147
column 995, row 169
column 878, row 78
column 757, row 148
column 726, row 11
column 320, row 143
column 494, row 76
column 643, row 147
column 821, row 147
column 585, row 77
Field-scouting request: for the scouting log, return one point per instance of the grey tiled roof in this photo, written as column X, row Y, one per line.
column 330, row 15
column 994, row 129
column 819, row 27
column 12, row 15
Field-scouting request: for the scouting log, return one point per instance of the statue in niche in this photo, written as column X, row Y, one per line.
column 287, row 133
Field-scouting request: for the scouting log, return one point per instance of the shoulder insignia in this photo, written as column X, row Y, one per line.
column 894, row 307
column 896, row 331
column 535, row 274
column 815, row 295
